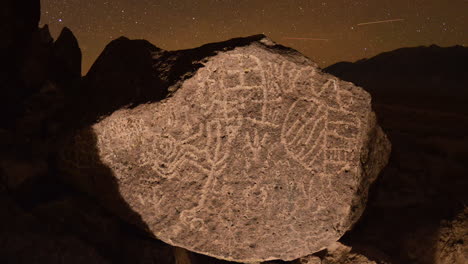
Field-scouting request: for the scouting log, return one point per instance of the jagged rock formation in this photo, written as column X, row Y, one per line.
column 38, row 79
column 67, row 55
column 31, row 63
column 36, row 101
column 256, row 155
column 35, row 77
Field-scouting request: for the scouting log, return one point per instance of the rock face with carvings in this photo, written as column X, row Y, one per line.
column 256, row 155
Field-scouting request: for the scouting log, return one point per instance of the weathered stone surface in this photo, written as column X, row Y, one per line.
column 338, row 253
column 256, row 156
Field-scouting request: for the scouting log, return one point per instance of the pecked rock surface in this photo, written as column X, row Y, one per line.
column 256, row 155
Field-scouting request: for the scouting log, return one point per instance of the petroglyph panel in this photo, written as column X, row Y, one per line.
column 246, row 160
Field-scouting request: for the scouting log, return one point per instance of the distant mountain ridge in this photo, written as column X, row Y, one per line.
column 420, row 97
column 430, row 76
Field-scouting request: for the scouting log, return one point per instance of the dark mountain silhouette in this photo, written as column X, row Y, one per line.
column 419, row 95
column 432, row 77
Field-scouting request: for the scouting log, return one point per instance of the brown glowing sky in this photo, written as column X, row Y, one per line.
column 325, row 31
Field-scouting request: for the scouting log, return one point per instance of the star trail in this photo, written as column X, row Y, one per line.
column 325, row 31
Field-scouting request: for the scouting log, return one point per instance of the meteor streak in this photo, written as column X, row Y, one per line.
column 307, row 39
column 381, row 21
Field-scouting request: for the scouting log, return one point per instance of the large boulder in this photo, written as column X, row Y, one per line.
column 256, row 155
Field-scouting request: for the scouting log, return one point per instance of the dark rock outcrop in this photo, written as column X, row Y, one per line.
column 18, row 23
column 36, row 104
column 42, row 219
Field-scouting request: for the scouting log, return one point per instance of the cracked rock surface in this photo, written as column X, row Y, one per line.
column 256, row 154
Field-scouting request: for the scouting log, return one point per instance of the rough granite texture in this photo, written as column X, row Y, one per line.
column 256, row 156
column 338, row 253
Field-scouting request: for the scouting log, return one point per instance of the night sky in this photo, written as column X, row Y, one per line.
column 325, row 31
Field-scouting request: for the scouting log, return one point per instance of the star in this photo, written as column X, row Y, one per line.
column 352, row 25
